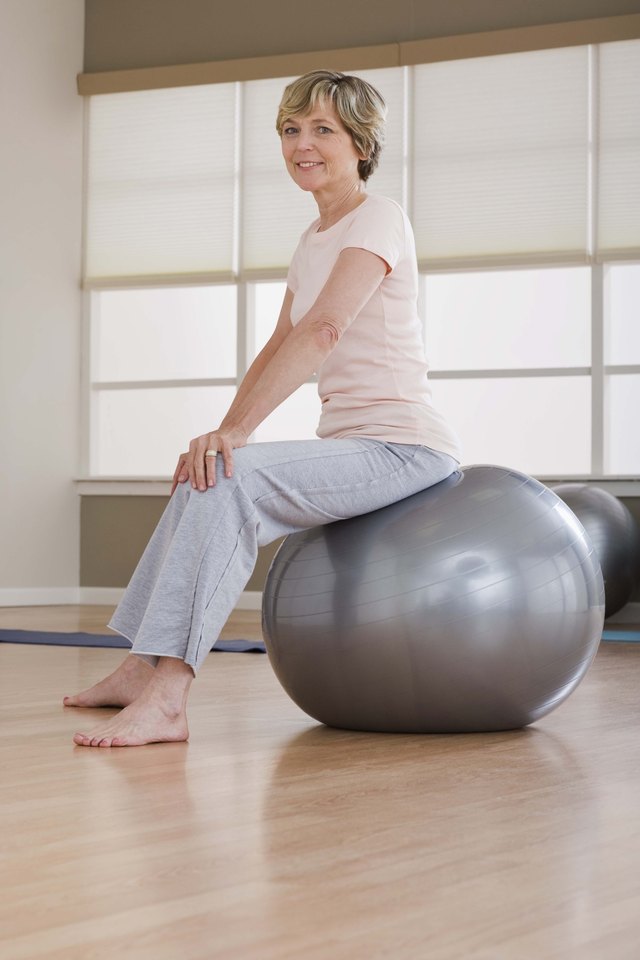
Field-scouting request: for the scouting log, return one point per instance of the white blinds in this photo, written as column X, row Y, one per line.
column 274, row 211
column 619, row 155
column 501, row 156
column 161, row 175
column 493, row 153
column 389, row 180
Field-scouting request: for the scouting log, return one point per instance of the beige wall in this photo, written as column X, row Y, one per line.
column 41, row 47
column 125, row 34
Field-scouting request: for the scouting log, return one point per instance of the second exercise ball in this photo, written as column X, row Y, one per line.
column 475, row 605
column 614, row 534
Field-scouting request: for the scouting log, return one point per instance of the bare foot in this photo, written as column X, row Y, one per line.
column 159, row 715
column 136, row 725
column 119, row 689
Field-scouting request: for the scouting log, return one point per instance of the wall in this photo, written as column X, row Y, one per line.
column 41, row 46
column 124, row 34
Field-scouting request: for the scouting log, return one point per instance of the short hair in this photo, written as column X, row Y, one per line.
column 360, row 107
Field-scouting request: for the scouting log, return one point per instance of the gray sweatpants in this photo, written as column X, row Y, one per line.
column 204, row 548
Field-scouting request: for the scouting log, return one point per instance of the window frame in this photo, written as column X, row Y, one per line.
column 598, row 371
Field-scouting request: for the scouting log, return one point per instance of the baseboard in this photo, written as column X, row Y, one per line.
column 97, row 596
column 249, row 600
column 58, row 596
column 39, row 596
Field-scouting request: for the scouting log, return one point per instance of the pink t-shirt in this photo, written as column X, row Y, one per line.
column 374, row 383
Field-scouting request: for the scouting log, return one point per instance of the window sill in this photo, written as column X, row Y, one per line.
column 161, row 487
column 618, row 486
column 123, row 486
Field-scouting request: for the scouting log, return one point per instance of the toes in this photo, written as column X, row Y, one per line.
column 85, row 740
column 74, row 701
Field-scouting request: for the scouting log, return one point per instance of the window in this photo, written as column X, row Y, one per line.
column 161, row 183
column 510, row 356
column 501, row 156
column 297, row 417
column 622, row 370
column 623, row 314
column 521, row 175
column 164, row 367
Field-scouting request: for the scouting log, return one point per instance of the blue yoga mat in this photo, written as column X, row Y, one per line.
column 46, row 638
column 622, row 636
column 49, row 638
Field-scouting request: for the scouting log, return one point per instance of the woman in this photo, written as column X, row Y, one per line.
column 349, row 314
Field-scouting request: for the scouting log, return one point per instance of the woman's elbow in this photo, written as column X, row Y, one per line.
column 326, row 332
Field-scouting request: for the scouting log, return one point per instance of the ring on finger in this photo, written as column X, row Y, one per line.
column 211, row 453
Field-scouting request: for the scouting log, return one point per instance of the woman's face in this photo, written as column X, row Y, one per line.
column 319, row 151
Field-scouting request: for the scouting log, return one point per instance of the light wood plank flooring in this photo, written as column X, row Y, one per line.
column 268, row 837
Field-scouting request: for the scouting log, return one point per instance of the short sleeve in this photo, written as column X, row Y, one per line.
column 380, row 227
column 292, row 273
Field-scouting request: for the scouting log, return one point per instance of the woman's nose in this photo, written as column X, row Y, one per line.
column 304, row 140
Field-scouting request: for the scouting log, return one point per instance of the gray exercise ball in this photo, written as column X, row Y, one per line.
column 475, row 605
column 614, row 534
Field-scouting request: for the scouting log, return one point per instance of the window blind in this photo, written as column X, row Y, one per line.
column 389, row 180
column 619, row 154
column 160, row 182
column 501, row 156
column 493, row 154
column 274, row 210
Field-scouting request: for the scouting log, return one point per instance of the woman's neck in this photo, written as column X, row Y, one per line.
column 337, row 206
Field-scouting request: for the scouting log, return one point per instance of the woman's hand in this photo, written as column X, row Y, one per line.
column 199, row 464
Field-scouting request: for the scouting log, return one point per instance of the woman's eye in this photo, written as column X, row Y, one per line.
column 289, row 131
column 324, row 130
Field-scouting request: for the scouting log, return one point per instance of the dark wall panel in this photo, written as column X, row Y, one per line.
column 114, row 533
column 125, row 34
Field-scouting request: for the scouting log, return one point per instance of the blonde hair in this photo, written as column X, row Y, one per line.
column 360, row 107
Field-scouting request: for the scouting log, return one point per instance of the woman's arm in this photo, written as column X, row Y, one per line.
column 283, row 327
column 271, row 347
column 298, row 354
column 352, row 282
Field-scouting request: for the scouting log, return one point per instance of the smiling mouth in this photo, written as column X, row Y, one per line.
column 308, row 164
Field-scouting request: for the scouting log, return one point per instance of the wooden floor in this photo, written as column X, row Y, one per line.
column 268, row 837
